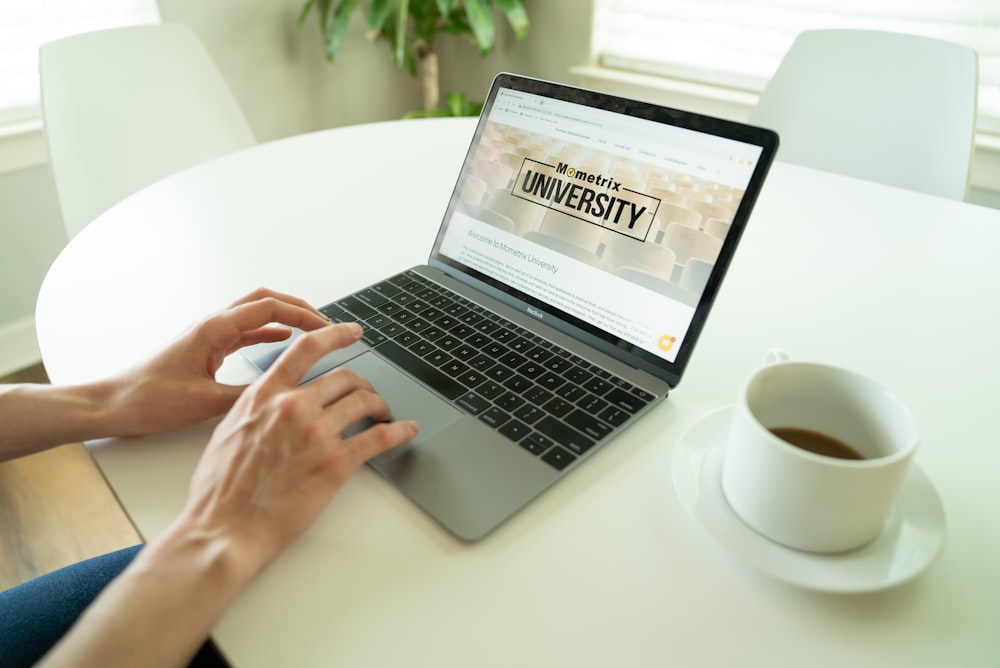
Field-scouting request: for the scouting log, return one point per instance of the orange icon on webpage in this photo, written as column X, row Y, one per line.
column 667, row 342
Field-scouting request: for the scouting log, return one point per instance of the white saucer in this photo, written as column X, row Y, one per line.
column 908, row 543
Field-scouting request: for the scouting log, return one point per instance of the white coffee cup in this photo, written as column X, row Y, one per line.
column 808, row 501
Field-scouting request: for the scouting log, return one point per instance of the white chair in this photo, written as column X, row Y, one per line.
column 125, row 107
column 887, row 107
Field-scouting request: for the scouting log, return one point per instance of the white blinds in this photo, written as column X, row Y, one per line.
column 739, row 43
column 27, row 24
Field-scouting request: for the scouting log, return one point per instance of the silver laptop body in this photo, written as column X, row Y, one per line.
column 579, row 255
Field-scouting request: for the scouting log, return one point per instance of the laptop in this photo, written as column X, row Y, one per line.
column 578, row 258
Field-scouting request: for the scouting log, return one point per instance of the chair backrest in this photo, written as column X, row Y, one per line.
column 125, row 107
column 887, row 107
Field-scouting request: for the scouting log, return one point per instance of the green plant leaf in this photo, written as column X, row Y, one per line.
column 399, row 40
column 445, row 6
column 481, row 19
column 378, row 13
column 455, row 102
column 305, row 11
column 425, row 15
column 338, row 26
column 324, row 15
column 410, row 61
column 516, row 16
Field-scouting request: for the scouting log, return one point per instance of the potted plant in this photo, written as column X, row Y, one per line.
column 409, row 28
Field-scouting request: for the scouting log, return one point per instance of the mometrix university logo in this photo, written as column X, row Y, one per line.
column 598, row 199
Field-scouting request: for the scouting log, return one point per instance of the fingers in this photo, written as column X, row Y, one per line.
column 345, row 398
column 309, row 348
column 258, row 313
column 265, row 293
column 348, row 399
column 378, row 439
column 265, row 335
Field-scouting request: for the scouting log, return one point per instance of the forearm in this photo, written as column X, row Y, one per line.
column 37, row 417
column 163, row 606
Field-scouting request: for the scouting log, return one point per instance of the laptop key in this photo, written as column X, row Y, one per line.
column 421, row 348
column 537, row 395
column 645, row 396
column 531, row 369
column 504, row 335
column 558, row 458
column 515, row 430
column 393, row 329
column 494, row 416
column 357, row 307
column 597, row 386
column 461, row 331
column 520, row 344
column 372, row 336
column 491, row 389
column 371, row 297
column 529, row 413
column 473, row 403
column 407, row 338
column 397, row 281
column 432, row 333
column 481, row 362
column 571, row 393
column 513, row 360
column 564, row 435
column 331, row 310
column 551, row 381
column 614, row 416
column 421, row 370
column 464, row 352
column 592, row 404
column 588, row 424
column 478, row 340
column 438, row 357
column 558, row 407
column 539, row 354
column 557, row 364
column 386, row 289
column 379, row 320
column 447, row 322
column 516, row 382
column 500, row 372
column 454, row 368
column 470, row 378
column 578, row 374
column 626, row 401
column 509, row 402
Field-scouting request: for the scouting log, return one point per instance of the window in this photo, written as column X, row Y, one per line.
column 739, row 43
column 27, row 24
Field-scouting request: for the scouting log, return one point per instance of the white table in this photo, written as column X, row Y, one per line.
column 606, row 569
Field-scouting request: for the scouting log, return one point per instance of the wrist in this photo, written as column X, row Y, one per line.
column 162, row 607
column 212, row 559
column 36, row 417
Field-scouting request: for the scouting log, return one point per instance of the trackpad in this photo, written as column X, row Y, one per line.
column 407, row 399
column 264, row 355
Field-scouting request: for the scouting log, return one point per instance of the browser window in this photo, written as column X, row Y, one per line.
column 576, row 207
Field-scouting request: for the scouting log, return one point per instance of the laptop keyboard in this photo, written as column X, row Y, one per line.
column 539, row 395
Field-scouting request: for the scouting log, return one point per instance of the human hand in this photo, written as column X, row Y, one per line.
column 279, row 456
column 177, row 387
column 271, row 466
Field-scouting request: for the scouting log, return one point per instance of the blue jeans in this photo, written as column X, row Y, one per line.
column 36, row 614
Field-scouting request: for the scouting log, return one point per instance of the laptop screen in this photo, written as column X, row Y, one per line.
column 608, row 216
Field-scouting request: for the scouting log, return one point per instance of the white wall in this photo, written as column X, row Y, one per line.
column 286, row 87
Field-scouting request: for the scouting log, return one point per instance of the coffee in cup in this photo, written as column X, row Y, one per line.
column 815, row 442
column 816, row 455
